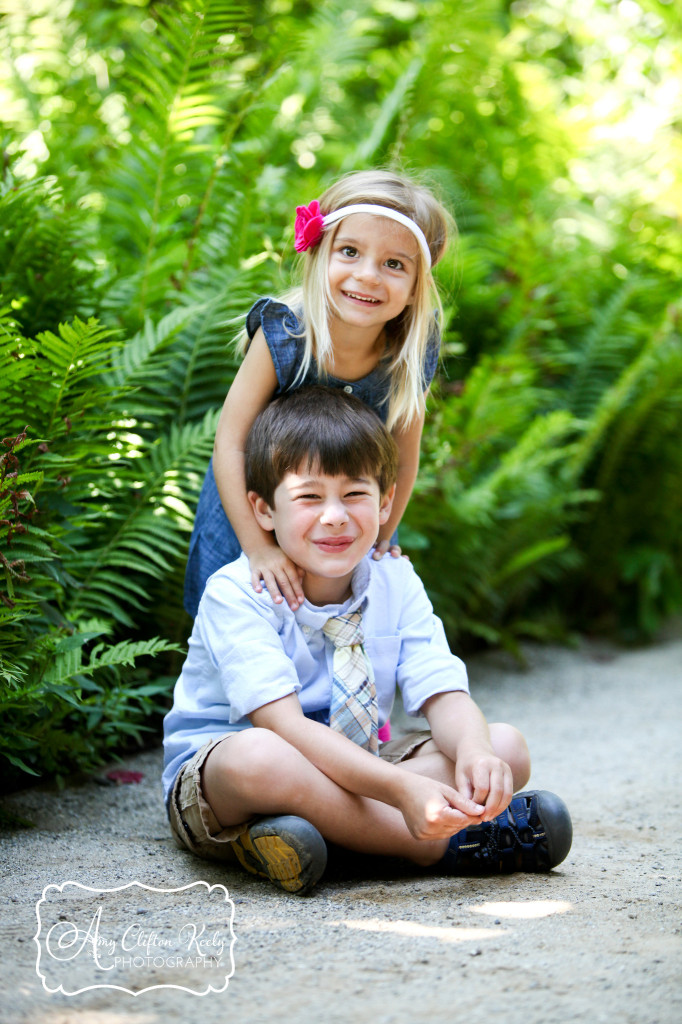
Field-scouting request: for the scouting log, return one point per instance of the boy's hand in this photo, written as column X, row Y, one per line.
column 281, row 576
column 383, row 546
column 433, row 810
column 486, row 779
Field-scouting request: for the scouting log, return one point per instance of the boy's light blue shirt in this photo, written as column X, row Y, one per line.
column 246, row 651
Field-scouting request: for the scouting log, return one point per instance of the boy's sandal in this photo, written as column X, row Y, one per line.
column 533, row 834
column 285, row 849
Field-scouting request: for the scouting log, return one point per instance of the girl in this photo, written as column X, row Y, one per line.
column 366, row 320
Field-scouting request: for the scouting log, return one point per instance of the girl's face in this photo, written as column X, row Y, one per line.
column 372, row 270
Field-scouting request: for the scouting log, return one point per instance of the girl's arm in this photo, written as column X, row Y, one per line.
column 408, row 440
column 251, row 390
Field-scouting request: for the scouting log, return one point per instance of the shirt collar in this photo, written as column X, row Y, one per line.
column 316, row 615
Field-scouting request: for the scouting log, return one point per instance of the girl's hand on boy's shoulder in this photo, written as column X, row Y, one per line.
column 383, row 547
column 272, row 569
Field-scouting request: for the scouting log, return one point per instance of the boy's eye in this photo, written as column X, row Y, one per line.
column 307, row 497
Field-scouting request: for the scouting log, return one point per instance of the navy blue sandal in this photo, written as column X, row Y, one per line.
column 533, row 834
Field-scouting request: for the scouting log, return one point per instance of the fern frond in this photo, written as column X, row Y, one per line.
column 138, row 357
column 125, row 653
column 392, row 107
column 66, row 365
column 45, row 267
column 144, row 539
column 600, row 354
column 179, row 83
column 616, row 397
column 655, row 409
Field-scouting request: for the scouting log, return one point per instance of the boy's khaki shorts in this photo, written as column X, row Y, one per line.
column 195, row 826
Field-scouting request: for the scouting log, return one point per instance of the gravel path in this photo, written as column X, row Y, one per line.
column 597, row 940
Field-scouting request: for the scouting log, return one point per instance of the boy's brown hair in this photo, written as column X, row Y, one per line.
column 322, row 428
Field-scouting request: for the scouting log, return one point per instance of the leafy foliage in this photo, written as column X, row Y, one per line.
column 92, row 514
column 496, row 501
column 44, row 261
column 153, row 154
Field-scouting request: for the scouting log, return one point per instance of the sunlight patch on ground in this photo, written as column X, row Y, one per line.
column 525, row 909
column 422, row 931
column 97, row 1017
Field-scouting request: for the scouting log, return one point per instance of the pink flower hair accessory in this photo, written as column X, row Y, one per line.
column 311, row 223
column 308, row 227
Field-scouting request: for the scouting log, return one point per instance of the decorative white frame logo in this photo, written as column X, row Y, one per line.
column 186, row 942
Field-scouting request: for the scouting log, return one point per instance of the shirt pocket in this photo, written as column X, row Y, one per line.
column 384, row 654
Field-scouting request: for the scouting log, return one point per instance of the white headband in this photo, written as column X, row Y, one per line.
column 382, row 211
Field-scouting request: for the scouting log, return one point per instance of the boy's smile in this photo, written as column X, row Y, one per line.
column 326, row 525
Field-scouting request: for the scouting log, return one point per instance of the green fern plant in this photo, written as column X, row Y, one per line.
column 92, row 514
column 45, row 263
column 632, row 453
column 496, row 501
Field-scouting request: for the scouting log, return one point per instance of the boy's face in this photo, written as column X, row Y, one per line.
column 326, row 525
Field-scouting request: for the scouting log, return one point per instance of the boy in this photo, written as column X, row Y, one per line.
column 271, row 745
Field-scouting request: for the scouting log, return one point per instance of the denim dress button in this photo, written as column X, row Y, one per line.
column 348, row 389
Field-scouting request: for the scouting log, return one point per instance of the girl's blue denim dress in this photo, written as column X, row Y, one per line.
column 214, row 542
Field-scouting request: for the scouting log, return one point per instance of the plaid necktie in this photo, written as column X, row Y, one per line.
column 353, row 710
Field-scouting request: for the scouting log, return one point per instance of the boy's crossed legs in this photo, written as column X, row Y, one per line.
column 254, row 797
column 256, row 772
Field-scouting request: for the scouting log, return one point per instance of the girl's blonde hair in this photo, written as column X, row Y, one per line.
column 408, row 334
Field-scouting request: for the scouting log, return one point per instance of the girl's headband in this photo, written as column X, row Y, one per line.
column 310, row 224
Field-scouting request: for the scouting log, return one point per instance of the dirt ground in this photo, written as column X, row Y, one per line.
column 596, row 940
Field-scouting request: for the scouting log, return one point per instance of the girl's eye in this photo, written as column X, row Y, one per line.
column 394, row 264
column 349, row 250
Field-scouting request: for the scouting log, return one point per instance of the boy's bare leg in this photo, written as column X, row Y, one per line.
column 256, row 772
column 507, row 742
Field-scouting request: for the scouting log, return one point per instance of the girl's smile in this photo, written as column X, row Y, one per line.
column 361, row 298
